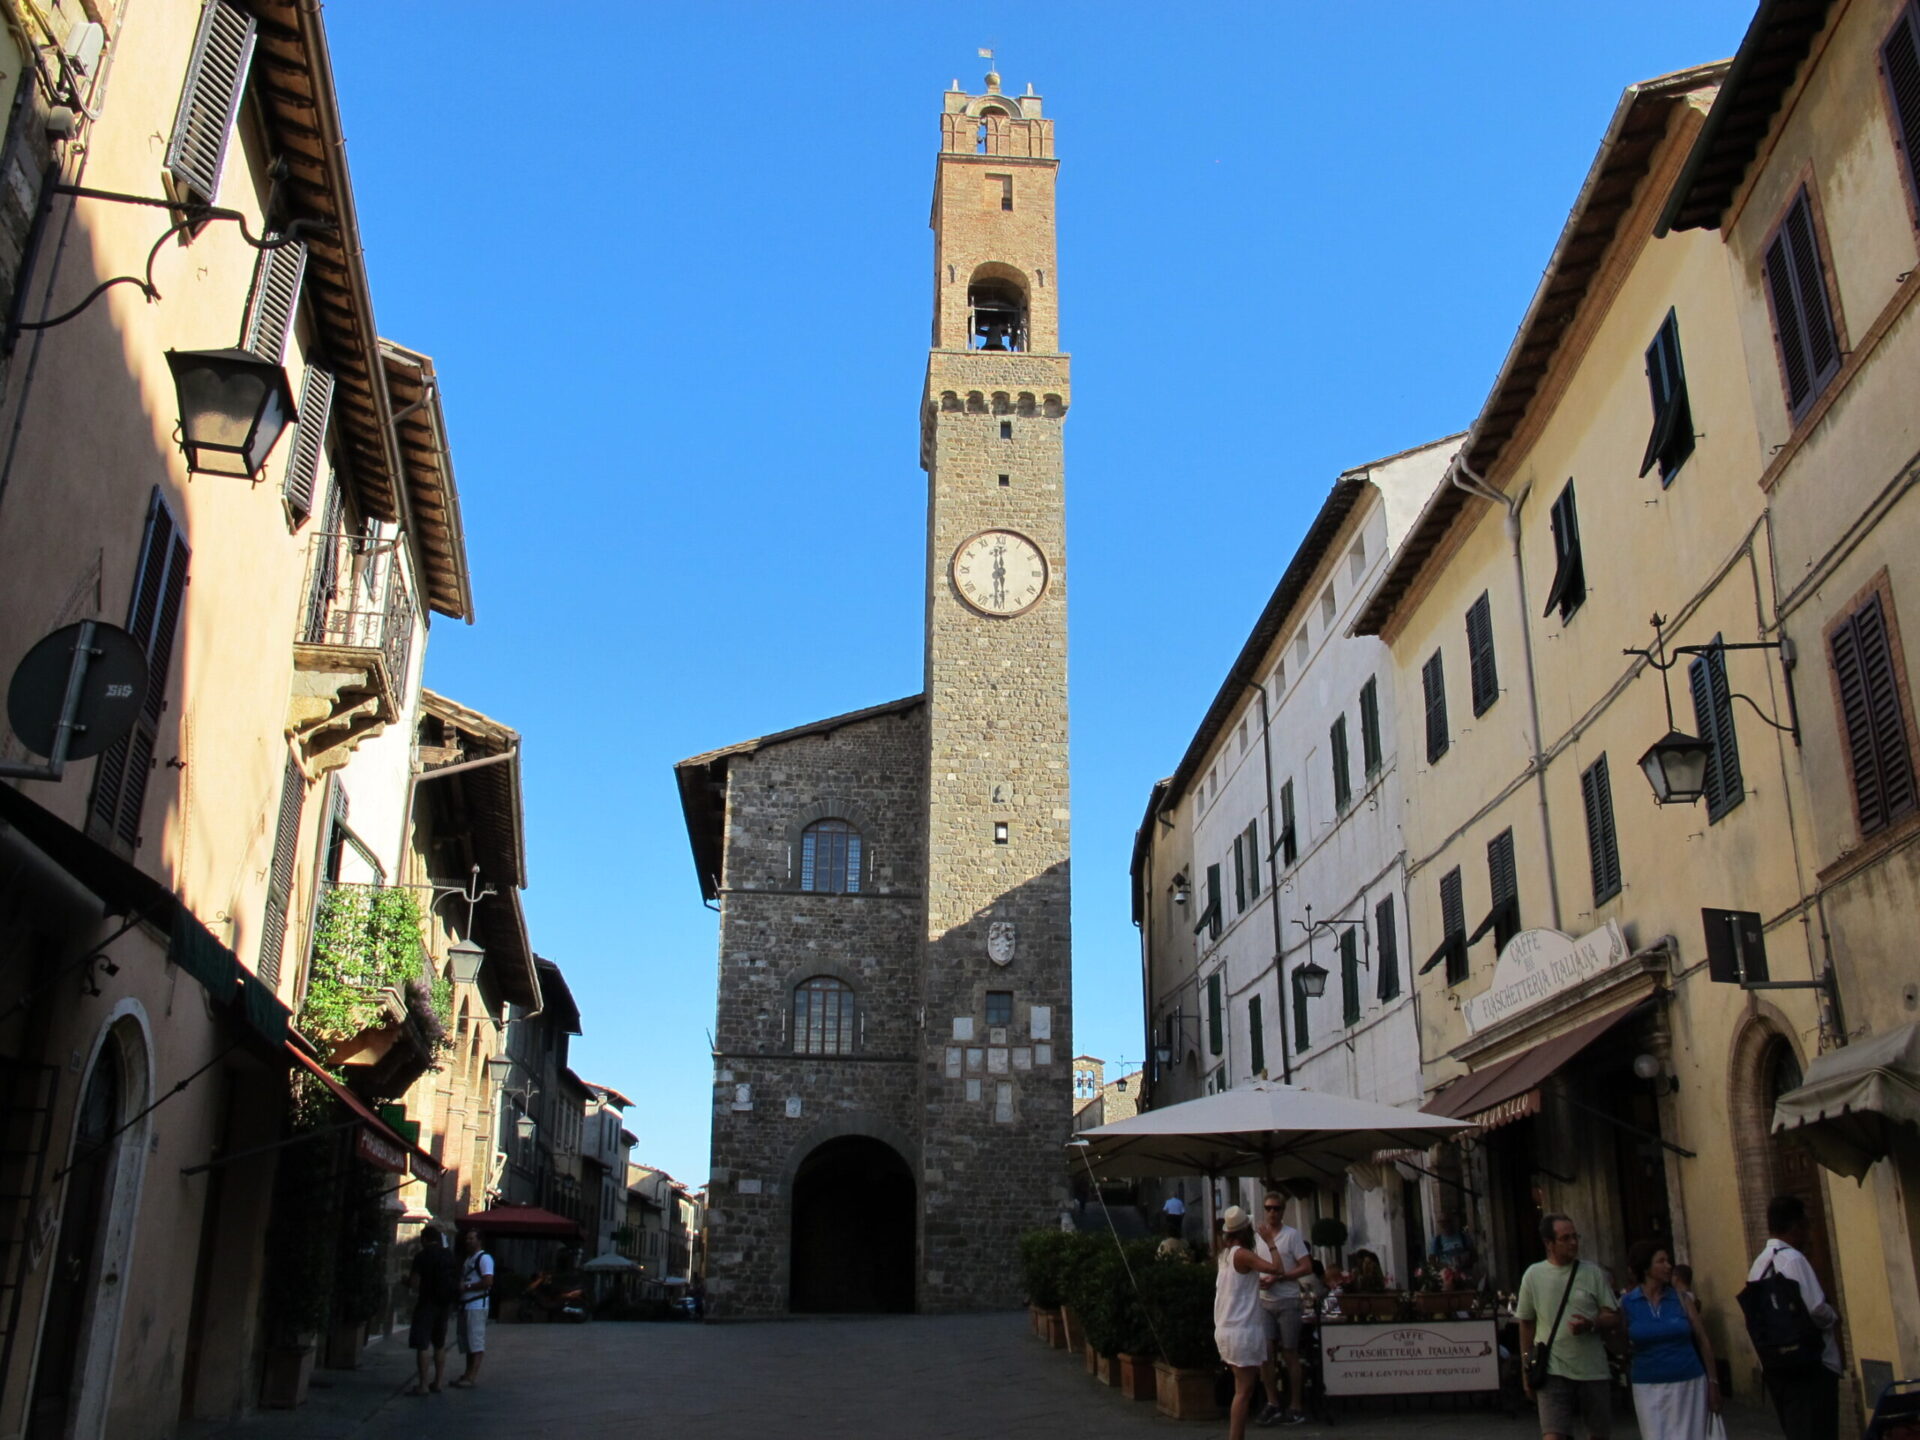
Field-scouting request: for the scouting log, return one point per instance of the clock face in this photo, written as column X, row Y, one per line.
column 1000, row 572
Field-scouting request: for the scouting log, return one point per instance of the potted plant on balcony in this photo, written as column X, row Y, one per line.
column 1177, row 1297
column 373, row 1005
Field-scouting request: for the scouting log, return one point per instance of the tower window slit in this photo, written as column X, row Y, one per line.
column 1006, row 482
column 1006, row 429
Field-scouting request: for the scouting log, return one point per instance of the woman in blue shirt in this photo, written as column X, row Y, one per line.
column 1674, row 1392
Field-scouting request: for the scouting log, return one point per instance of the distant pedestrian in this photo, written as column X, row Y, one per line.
column 1675, row 1391
column 1806, row 1393
column 1574, row 1301
column 1173, row 1214
column 476, row 1283
column 1239, row 1331
column 434, row 1278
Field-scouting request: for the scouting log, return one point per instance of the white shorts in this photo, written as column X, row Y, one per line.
column 473, row 1329
column 1242, row 1345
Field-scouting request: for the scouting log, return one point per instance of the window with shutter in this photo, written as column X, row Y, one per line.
column 1216, row 1042
column 1603, row 845
column 1289, row 842
column 1482, row 675
column 1900, row 69
column 1239, row 873
column 1871, row 710
column 1453, row 921
column 1433, row 682
column 1370, row 751
column 1713, row 722
column 1672, row 439
column 1252, row 839
column 1302, row 1027
column 153, row 619
column 210, row 101
column 1387, row 945
column 1342, row 779
column 309, row 442
column 1256, row 1037
column 1212, row 917
column 277, row 274
column 1503, row 916
column 1350, row 975
column 1569, row 588
column 1802, row 313
column 286, row 849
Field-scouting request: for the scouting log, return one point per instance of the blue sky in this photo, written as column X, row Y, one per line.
column 674, row 270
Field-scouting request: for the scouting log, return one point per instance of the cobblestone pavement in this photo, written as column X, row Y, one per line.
column 973, row 1377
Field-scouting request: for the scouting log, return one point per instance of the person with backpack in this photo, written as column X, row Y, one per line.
column 434, row 1278
column 1793, row 1328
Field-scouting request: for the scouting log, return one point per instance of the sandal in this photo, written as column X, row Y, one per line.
column 461, row 1384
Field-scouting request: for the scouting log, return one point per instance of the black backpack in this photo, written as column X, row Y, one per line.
column 439, row 1276
column 1782, row 1331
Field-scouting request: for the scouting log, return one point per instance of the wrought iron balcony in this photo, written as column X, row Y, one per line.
column 353, row 644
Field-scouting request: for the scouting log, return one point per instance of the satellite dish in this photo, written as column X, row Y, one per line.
column 111, row 676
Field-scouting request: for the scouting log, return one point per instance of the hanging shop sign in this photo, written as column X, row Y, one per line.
column 378, row 1152
column 1410, row 1359
column 1539, row 964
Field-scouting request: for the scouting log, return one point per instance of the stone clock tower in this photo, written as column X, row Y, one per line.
column 893, row 1040
column 997, row 966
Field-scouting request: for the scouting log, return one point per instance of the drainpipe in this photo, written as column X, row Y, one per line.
column 1463, row 477
column 1273, row 891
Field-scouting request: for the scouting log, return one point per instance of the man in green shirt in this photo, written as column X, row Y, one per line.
column 1575, row 1400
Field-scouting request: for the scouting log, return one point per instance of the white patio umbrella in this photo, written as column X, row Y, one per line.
column 610, row 1262
column 1266, row 1130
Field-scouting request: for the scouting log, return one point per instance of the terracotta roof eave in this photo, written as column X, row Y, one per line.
column 1142, row 840
column 439, row 536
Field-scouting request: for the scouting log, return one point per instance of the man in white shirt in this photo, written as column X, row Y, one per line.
column 1173, row 1214
column 1807, row 1401
column 476, row 1281
column 1280, row 1303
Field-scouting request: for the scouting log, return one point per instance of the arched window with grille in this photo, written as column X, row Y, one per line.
column 823, row 1017
column 830, row 858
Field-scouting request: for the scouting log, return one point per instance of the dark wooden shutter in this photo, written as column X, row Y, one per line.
column 1289, row 839
column 1342, row 778
column 1504, row 883
column 275, row 300
column 1882, row 764
column 1215, row 1041
column 286, row 849
column 153, row 619
column 1481, row 671
column 1569, row 588
column 210, row 100
column 1256, row 1036
column 1302, row 1027
column 1672, row 438
column 1802, row 315
column 1434, row 682
column 1900, row 65
column 1453, row 920
column 1239, row 873
column 1370, row 751
column 1253, row 859
column 309, row 441
column 1350, row 975
column 1713, row 722
column 1387, row 937
column 1603, row 845
column 1214, row 901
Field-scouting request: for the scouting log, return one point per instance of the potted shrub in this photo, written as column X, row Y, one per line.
column 1131, row 1335
column 1041, row 1255
column 300, row 1254
column 1079, row 1252
column 1178, row 1299
column 1328, row 1232
column 1091, row 1297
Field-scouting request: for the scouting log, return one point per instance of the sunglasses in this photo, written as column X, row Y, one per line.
column 1271, row 1209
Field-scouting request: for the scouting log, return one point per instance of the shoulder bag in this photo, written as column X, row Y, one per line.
column 1543, row 1349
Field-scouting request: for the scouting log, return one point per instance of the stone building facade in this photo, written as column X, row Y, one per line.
column 892, row 1073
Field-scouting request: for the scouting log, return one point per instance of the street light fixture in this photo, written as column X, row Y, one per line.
column 500, row 1068
column 464, row 958
column 1676, row 767
column 234, row 406
column 1311, row 978
column 1676, row 764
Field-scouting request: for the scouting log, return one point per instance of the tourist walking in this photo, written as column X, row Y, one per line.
column 476, row 1285
column 1806, row 1392
column 1281, row 1305
column 1573, row 1300
column 1675, row 1392
column 1239, row 1328
column 434, row 1278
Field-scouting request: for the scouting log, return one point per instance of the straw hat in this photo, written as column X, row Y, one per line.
column 1234, row 1218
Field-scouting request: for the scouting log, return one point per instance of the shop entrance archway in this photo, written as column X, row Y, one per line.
column 853, row 1250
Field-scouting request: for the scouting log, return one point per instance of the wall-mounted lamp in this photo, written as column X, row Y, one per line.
column 1648, row 1067
column 1676, row 764
column 500, row 1068
column 1182, row 891
column 464, row 959
column 1311, row 978
column 1163, row 1052
column 524, row 1127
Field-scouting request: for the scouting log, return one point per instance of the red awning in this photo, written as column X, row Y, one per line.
column 1509, row 1089
column 527, row 1222
column 375, row 1141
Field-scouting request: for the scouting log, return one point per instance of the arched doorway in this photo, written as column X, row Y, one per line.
column 1793, row 1169
column 854, row 1209
column 73, row 1367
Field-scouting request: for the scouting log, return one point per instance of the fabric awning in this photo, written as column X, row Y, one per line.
column 528, row 1222
column 375, row 1141
column 1509, row 1089
column 1852, row 1100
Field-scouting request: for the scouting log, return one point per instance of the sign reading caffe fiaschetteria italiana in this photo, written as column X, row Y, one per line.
column 1539, row 964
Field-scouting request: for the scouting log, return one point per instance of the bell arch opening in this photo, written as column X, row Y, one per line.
column 997, row 309
column 853, row 1242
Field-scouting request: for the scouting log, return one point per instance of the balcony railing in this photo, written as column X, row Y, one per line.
column 356, row 599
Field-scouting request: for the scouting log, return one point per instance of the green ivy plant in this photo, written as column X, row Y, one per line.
column 367, row 940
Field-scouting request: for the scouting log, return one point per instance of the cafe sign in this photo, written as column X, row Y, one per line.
column 1539, row 964
column 1410, row 1359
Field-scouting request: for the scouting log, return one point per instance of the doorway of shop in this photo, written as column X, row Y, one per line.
column 1795, row 1171
column 854, row 1211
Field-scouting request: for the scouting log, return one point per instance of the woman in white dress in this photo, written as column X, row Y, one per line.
column 1239, row 1328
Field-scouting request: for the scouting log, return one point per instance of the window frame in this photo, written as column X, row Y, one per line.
column 1672, row 439
column 1372, row 754
column 1342, row 769
column 1387, row 951
column 1888, row 808
column 1781, row 238
column 844, row 1024
column 852, row 860
column 1905, row 128
column 1433, row 686
column 1603, row 835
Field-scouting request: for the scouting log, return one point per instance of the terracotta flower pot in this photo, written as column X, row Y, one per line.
column 1056, row 1330
column 1108, row 1372
column 1184, row 1394
column 1091, row 1356
column 1076, row 1336
column 1135, row 1375
column 289, row 1368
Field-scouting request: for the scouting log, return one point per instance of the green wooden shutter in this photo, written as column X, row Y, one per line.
column 1503, row 881
column 1569, row 588
column 1289, row 840
column 1256, row 1036
column 210, row 100
column 286, row 849
column 1900, row 67
column 1342, row 779
column 1216, row 1042
column 1877, row 745
column 1370, row 751
column 1350, row 975
column 1603, row 846
column 1302, row 1031
column 1481, row 672
column 1672, row 438
column 1239, row 873
column 1453, row 920
column 1387, row 949
column 1214, row 901
column 309, row 442
column 1253, row 858
column 1713, row 721
column 1433, row 682
column 1802, row 315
